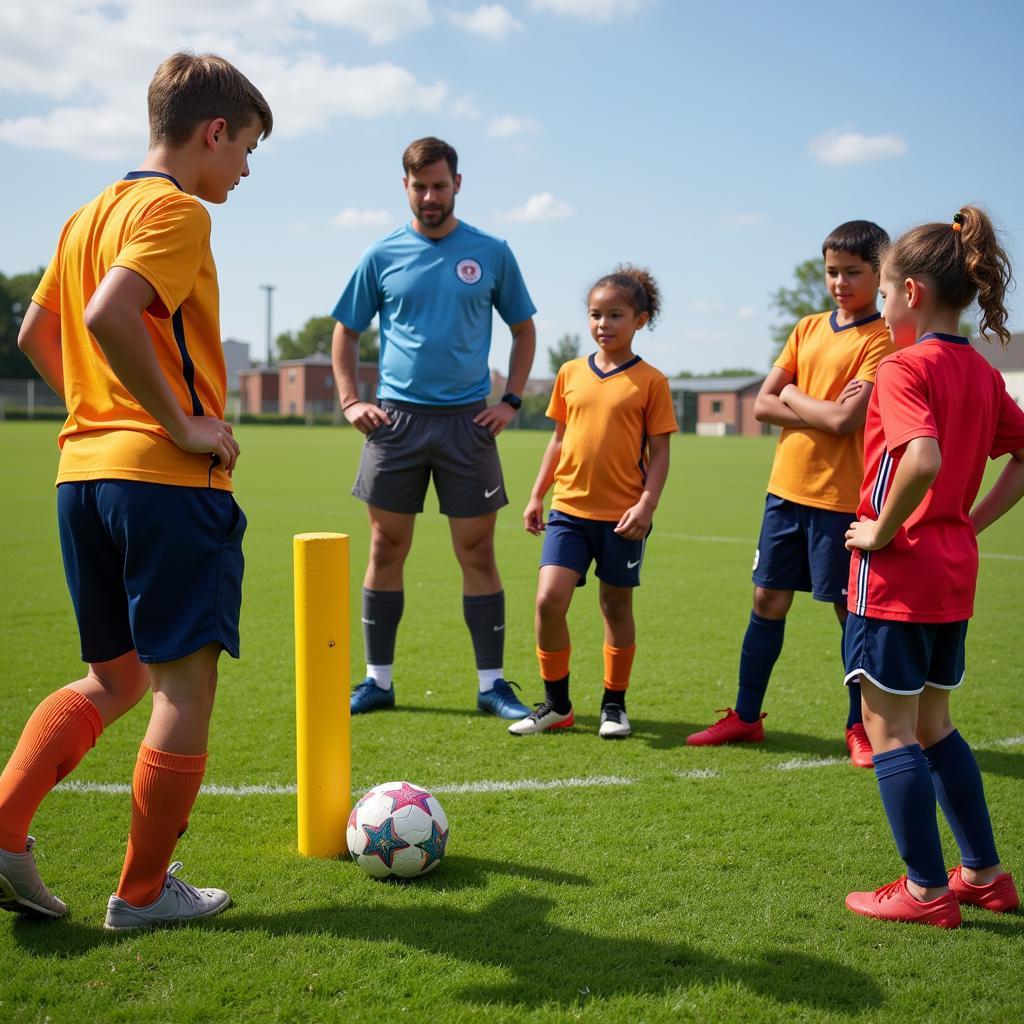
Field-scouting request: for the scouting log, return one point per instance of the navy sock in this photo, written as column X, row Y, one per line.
column 556, row 691
column 961, row 794
column 908, row 797
column 485, row 617
column 382, row 611
column 762, row 645
column 614, row 697
column 855, row 716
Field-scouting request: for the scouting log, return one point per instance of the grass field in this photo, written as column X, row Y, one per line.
column 646, row 882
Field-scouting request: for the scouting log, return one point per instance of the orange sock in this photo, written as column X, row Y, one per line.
column 554, row 665
column 164, row 788
column 618, row 663
column 59, row 733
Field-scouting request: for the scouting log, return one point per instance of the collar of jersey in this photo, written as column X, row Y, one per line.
column 592, row 363
column 433, row 241
column 957, row 339
column 834, row 321
column 135, row 175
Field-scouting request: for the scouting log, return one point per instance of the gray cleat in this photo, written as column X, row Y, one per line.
column 22, row 890
column 178, row 902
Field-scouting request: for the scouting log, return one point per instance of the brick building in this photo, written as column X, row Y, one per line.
column 716, row 406
column 297, row 387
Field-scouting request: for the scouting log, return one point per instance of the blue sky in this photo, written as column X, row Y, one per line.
column 715, row 143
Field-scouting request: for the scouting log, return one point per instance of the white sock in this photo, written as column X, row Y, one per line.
column 488, row 677
column 380, row 674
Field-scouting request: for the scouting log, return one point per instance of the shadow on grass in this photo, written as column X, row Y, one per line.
column 543, row 961
column 1000, row 762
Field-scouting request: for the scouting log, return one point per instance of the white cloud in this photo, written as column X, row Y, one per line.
column 539, row 208
column 100, row 115
column 706, row 306
column 490, row 20
column 846, row 147
column 593, row 10
column 747, row 312
column 737, row 221
column 353, row 218
column 381, row 21
column 509, row 127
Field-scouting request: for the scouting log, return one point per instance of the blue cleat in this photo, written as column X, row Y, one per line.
column 368, row 696
column 501, row 701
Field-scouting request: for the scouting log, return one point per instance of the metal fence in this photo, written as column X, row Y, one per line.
column 29, row 399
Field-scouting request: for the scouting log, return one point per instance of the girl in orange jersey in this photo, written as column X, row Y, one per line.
column 608, row 461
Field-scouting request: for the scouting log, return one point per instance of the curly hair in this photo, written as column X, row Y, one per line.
column 638, row 287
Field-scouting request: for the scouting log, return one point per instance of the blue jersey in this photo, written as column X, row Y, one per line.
column 434, row 297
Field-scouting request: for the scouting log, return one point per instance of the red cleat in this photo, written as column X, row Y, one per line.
column 859, row 746
column 999, row 895
column 731, row 729
column 894, row 903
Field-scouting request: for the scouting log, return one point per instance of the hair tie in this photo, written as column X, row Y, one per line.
column 958, row 222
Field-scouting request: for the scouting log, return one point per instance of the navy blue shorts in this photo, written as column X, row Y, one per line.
column 151, row 567
column 905, row 657
column 803, row 548
column 573, row 543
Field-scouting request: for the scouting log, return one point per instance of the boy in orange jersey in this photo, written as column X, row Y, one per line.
column 125, row 325
column 818, row 393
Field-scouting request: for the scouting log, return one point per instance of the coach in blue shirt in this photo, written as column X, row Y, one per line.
column 433, row 282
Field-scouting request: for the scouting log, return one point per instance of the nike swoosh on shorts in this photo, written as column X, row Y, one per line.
column 490, row 494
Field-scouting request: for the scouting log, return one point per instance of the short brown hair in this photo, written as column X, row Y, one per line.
column 190, row 88
column 428, row 151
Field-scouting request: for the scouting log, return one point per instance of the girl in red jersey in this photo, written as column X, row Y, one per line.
column 938, row 412
column 608, row 461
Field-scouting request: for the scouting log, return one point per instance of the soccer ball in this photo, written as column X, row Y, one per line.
column 397, row 829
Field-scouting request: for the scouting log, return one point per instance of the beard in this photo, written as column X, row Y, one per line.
column 435, row 214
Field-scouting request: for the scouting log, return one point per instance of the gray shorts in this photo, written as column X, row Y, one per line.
column 422, row 440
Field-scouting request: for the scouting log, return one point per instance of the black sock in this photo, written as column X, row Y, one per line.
column 485, row 618
column 557, row 694
column 614, row 697
column 382, row 611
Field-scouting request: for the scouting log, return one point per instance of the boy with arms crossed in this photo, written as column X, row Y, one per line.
column 125, row 325
column 818, row 393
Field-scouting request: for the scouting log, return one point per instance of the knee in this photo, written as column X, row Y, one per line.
column 616, row 607
column 125, row 684
column 551, row 605
column 387, row 550
column 477, row 553
column 772, row 604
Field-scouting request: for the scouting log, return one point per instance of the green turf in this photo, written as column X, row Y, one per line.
column 709, row 887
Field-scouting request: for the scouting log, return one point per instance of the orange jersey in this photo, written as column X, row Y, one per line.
column 813, row 467
column 146, row 224
column 608, row 418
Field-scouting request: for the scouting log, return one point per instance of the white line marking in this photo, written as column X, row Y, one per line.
column 504, row 785
column 1010, row 741
column 798, row 763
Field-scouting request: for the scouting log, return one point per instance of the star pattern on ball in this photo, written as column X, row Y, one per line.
column 434, row 846
column 382, row 842
column 408, row 796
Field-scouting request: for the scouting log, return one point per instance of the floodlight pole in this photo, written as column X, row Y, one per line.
column 269, row 289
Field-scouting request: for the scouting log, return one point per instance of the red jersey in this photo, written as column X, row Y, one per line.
column 941, row 388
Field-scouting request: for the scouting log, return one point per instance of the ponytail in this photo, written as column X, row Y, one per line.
column 964, row 261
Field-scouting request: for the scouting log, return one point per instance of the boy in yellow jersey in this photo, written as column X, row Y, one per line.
column 125, row 325
column 608, row 460
column 818, row 393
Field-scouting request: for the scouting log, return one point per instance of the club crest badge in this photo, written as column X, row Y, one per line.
column 468, row 271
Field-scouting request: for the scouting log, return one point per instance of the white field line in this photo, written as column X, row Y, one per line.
column 504, row 785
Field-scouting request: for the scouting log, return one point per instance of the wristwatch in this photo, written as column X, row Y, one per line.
column 512, row 399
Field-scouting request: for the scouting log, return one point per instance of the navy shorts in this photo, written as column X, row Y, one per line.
column 803, row 548
column 427, row 441
column 905, row 657
column 153, row 568
column 573, row 543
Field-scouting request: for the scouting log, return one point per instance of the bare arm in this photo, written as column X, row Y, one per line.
column 1003, row 494
column 39, row 339
column 524, row 344
column 843, row 416
column 769, row 408
column 636, row 521
column 915, row 474
column 114, row 317
column 533, row 515
column 365, row 416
